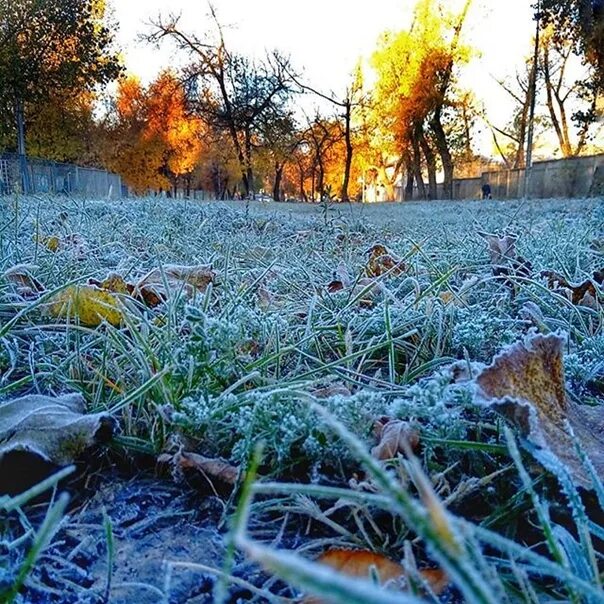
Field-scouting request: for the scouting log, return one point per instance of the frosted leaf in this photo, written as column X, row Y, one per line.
column 55, row 429
column 525, row 383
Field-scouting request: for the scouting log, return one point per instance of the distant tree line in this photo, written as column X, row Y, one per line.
column 235, row 125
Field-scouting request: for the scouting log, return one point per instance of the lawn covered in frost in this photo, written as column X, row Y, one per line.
column 296, row 313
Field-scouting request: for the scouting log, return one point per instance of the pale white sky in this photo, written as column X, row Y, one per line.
column 325, row 38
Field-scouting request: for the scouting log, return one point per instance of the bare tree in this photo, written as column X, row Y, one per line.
column 353, row 98
column 555, row 56
column 229, row 90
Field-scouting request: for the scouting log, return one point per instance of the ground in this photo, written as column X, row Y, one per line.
column 295, row 307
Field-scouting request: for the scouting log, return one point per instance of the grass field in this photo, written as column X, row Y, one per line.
column 301, row 341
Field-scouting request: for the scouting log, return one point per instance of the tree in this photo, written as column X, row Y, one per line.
column 415, row 85
column 516, row 131
column 582, row 23
column 153, row 140
column 555, row 55
column 230, row 91
column 279, row 138
column 51, row 47
column 64, row 129
column 354, row 97
column 320, row 136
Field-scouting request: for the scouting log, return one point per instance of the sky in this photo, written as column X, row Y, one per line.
column 326, row 38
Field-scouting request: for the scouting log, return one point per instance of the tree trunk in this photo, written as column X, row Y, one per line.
column 277, row 181
column 321, row 181
column 409, row 182
column 440, row 139
column 302, row 191
column 430, row 163
column 417, row 168
column 23, row 168
column 249, row 174
column 349, row 150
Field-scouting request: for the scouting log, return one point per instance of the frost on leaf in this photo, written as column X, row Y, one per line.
column 382, row 261
column 23, row 281
column 503, row 256
column 57, row 430
column 156, row 285
column 525, row 383
column 361, row 563
column 581, row 294
column 209, row 467
column 395, row 436
column 88, row 304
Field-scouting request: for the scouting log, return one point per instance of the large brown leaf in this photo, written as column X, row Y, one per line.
column 57, row 430
column 525, row 383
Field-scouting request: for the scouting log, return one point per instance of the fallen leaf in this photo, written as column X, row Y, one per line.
column 331, row 390
column 503, row 256
column 359, row 564
column 266, row 298
column 582, row 294
column 341, row 279
column 367, row 291
column 52, row 242
column 209, row 467
column 382, row 261
column 25, row 284
column 113, row 283
column 155, row 286
column 90, row 305
column 525, row 383
column 395, row 436
column 57, row 430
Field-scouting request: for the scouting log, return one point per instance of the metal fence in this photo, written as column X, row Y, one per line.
column 54, row 177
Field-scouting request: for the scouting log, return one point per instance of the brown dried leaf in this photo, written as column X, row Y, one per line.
column 209, row 467
column 583, row 294
column 395, row 436
column 382, row 261
column 113, row 283
column 266, row 298
column 368, row 290
column 331, row 390
column 358, row 564
column 25, row 284
column 525, row 383
column 503, row 256
column 155, row 286
column 56, row 430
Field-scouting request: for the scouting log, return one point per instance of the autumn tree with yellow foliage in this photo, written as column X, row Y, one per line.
column 415, row 87
column 154, row 142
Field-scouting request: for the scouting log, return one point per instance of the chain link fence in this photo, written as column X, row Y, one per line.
column 54, row 177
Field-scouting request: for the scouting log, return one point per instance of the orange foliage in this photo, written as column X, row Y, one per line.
column 154, row 139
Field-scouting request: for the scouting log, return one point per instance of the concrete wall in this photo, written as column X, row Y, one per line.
column 570, row 177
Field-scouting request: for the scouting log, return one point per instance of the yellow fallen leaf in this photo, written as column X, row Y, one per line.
column 52, row 243
column 91, row 306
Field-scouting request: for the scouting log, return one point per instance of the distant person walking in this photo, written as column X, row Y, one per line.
column 486, row 191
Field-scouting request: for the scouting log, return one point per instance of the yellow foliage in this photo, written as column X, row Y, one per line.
column 89, row 305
